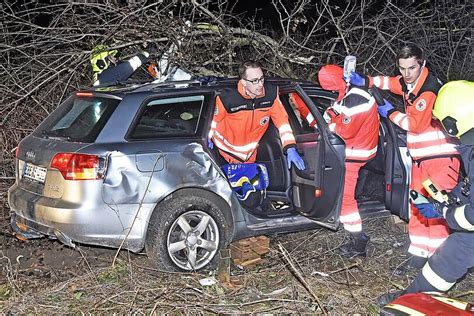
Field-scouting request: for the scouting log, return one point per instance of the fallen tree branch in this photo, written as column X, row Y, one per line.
column 300, row 277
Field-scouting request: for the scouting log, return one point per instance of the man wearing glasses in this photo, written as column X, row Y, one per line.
column 243, row 115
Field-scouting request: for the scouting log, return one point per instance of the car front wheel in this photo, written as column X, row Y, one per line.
column 185, row 234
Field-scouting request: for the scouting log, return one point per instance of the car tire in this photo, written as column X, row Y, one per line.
column 185, row 234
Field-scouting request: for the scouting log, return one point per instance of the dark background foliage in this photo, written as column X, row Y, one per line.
column 46, row 46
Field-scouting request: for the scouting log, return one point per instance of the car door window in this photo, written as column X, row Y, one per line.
column 178, row 116
column 299, row 115
column 322, row 103
column 301, row 119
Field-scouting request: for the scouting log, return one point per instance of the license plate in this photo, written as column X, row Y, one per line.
column 35, row 173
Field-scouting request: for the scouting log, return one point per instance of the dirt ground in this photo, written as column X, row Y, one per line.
column 302, row 274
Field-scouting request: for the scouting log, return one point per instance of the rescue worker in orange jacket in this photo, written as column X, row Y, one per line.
column 434, row 155
column 455, row 109
column 243, row 115
column 355, row 119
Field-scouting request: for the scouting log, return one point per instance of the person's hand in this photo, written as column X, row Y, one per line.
column 429, row 210
column 385, row 108
column 417, row 198
column 294, row 157
column 355, row 79
column 210, row 144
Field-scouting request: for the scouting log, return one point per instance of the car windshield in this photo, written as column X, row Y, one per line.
column 80, row 118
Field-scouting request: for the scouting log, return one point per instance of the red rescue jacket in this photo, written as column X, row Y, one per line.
column 357, row 123
column 303, row 109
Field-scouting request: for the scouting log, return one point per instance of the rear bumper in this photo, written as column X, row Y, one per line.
column 93, row 222
column 28, row 229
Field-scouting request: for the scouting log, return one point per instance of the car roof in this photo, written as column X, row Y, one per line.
column 120, row 89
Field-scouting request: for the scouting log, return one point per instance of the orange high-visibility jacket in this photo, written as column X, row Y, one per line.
column 239, row 122
column 425, row 135
column 357, row 124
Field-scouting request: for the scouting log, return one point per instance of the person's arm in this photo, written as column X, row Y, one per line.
column 461, row 218
column 219, row 114
column 122, row 71
column 280, row 119
column 386, row 83
column 382, row 82
column 303, row 109
column 418, row 114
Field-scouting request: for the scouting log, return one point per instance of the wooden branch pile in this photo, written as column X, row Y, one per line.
column 45, row 48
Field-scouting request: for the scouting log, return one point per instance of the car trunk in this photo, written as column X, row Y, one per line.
column 34, row 159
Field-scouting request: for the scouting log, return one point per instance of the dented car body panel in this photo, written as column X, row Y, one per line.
column 106, row 212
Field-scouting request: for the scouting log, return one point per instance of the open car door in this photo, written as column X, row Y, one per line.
column 397, row 170
column 317, row 190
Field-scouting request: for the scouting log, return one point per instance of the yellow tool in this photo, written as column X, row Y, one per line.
column 434, row 192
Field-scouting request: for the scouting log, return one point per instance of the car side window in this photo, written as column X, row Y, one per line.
column 177, row 116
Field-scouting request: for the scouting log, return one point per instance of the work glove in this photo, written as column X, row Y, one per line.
column 355, row 79
column 385, row 108
column 294, row 157
column 429, row 210
column 210, row 144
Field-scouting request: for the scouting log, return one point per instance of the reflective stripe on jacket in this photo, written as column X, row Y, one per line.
column 120, row 72
column 239, row 122
column 425, row 136
column 357, row 124
column 461, row 218
column 303, row 109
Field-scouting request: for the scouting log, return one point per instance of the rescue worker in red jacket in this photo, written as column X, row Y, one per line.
column 434, row 155
column 355, row 119
column 300, row 106
column 243, row 115
column 455, row 109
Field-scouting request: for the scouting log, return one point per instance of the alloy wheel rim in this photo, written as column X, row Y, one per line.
column 193, row 240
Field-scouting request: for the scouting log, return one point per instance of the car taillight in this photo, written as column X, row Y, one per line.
column 17, row 151
column 79, row 166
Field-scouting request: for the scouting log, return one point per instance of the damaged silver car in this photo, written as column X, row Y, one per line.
column 128, row 166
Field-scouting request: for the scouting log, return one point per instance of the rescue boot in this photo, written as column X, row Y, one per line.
column 411, row 265
column 356, row 247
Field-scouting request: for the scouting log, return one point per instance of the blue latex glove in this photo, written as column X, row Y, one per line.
column 356, row 79
column 210, row 144
column 383, row 109
column 294, row 157
column 429, row 210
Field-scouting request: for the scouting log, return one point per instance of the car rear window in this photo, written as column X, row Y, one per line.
column 177, row 116
column 79, row 118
